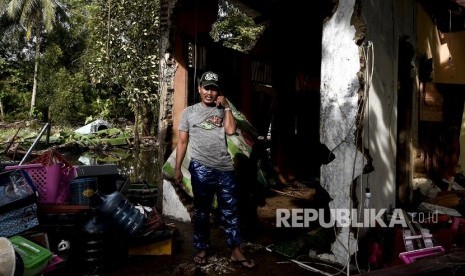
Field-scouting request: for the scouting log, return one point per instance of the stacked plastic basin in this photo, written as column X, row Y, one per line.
column 35, row 257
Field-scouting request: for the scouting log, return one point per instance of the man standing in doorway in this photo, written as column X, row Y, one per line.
column 203, row 127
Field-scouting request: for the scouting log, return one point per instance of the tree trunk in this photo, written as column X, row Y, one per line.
column 36, row 71
column 2, row 115
column 136, row 127
column 147, row 119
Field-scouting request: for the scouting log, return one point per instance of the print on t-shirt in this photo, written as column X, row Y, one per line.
column 211, row 122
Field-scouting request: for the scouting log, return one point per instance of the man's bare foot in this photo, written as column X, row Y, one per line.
column 200, row 257
column 238, row 258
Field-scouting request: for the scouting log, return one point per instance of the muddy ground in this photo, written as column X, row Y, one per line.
column 263, row 235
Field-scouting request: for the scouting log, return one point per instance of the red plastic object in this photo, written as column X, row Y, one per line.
column 53, row 264
column 51, row 173
column 46, row 179
column 50, row 160
column 411, row 256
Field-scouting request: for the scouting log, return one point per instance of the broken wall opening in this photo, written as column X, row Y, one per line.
column 405, row 122
column 276, row 85
column 441, row 116
column 296, row 63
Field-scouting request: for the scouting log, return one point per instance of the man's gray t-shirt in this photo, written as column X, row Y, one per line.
column 207, row 139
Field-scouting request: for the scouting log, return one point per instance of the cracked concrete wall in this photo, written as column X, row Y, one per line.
column 339, row 97
column 385, row 22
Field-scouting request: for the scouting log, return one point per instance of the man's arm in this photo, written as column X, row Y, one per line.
column 229, row 123
column 181, row 149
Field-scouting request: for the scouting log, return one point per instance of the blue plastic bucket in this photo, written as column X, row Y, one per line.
column 81, row 190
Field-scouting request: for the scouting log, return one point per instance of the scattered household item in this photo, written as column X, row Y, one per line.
column 45, row 179
column 142, row 193
column 120, row 211
column 53, row 264
column 95, row 245
column 426, row 187
column 107, row 176
column 155, row 238
column 93, row 127
column 18, row 203
column 417, row 245
column 154, row 223
column 430, row 207
column 449, row 199
column 452, row 185
column 96, row 170
column 51, row 174
column 4, row 164
column 411, row 256
column 10, row 263
column 63, row 245
column 35, row 257
column 81, row 190
column 161, row 246
column 53, row 159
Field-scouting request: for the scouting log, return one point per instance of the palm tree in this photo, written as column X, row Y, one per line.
column 33, row 16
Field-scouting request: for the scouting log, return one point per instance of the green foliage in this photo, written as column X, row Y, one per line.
column 51, row 69
column 63, row 87
column 110, row 108
column 123, row 52
column 68, row 105
column 15, row 85
column 15, row 72
column 103, row 59
column 235, row 29
column 33, row 15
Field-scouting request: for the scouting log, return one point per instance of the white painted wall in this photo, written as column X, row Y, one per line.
column 339, row 86
column 172, row 205
column 385, row 22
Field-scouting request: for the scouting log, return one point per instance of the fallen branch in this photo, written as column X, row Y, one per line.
column 11, row 141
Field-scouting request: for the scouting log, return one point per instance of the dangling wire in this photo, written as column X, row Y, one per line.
column 368, row 54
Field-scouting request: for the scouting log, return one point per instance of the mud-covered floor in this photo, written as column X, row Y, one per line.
column 263, row 234
column 290, row 255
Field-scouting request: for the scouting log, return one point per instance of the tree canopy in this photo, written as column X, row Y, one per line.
column 90, row 59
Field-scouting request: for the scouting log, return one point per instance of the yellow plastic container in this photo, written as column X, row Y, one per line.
column 35, row 257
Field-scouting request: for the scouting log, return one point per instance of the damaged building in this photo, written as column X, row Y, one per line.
column 365, row 98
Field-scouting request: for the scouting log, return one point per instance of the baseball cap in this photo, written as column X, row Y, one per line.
column 209, row 78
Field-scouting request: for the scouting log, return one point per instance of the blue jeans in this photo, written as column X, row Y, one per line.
column 206, row 182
